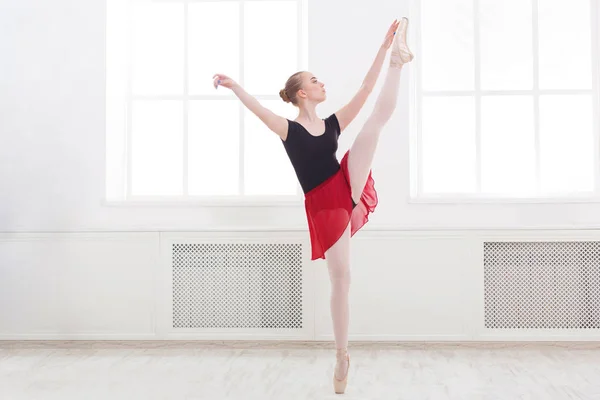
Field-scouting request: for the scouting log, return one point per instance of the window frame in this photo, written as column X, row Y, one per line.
column 417, row 94
column 127, row 198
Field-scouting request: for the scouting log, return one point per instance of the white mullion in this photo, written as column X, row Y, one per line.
column 242, row 158
column 536, row 95
column 303, row 50
column 300, row 43
column 477, row 72
column 185, row 99
column 300, row 32
column 418, row 83
column 595, row 25
column 129, row 99
column 459, row 93
column 205, row 97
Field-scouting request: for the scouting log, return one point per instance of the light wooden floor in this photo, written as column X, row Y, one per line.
column 233, row 370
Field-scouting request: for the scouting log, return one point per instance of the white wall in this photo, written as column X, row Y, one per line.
column 405, row 286
column 65, row 285
column 52, row 130
column 52, row 273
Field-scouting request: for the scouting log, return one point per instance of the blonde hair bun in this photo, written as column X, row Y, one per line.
column 284, row 96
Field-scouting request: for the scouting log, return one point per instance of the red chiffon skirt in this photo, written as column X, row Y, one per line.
column 329, row 209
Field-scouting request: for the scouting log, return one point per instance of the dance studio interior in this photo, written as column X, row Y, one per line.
column 299, row 199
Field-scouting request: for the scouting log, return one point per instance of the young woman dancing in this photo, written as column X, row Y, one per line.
column 338, row 196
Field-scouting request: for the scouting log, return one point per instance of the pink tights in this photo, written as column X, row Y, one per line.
column 359, row 164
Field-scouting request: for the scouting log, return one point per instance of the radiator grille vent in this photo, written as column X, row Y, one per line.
column 544, row 285
column 237, row 285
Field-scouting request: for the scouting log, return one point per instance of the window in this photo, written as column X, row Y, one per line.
column 170, row 134
column 506, row 99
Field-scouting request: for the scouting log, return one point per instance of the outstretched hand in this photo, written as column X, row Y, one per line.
column 389, row 36
column 223, row 80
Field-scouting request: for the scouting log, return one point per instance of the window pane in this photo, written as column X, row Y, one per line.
column 447, row 41
column 213, row 140
column 448, row 140
column 506, row 44
column 567, row 144
column 157, row 148
column 157, row 48
column 508, row 145
column 116, row 98
column 565, row 44
column 271, row 45
column 268, row 170
column 214, row 34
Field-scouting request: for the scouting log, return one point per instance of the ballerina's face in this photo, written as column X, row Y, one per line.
column 312, row 89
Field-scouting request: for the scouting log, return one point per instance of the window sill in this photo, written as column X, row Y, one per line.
column 466, row 199
column 273, row 201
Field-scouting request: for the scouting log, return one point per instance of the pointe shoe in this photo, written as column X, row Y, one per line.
column 339, row 386
column 401, row 54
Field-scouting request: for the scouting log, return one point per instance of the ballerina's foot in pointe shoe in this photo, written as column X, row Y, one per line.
column 340, row 376
column 401, row 54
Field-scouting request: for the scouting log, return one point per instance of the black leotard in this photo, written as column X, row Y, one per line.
column 313, row 157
